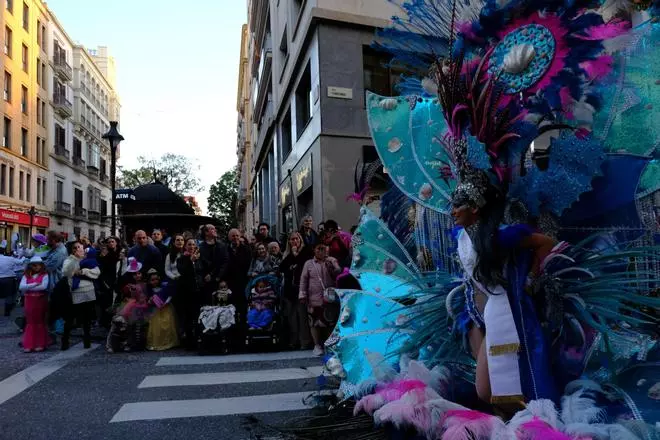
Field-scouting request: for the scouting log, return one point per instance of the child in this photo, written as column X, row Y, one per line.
column 262, row 300
column 135, row 306
column 89, row 262
column 34, row 285
column 118, row 335
column 221, row 296
column 162, row 332
column 276, row 255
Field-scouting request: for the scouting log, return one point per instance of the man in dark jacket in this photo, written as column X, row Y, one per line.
column 263, row 234
column 157, row 237
column 146, row 253
column 213, row 261
column 240, row 257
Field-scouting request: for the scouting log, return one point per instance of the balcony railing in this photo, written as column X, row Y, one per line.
column 62, row 208
column 62, row 105
column 105, row 218
column 62, row 68
column 62, row 152
column 93, row 169
column 79, row 212
column 94, row 216
column 103, row 177
column 79, row 162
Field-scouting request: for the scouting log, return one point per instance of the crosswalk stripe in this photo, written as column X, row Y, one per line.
column 232, row 377
column 170, row 361
column 177, row 409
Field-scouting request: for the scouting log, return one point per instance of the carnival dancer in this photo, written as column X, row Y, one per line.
column 34, row 287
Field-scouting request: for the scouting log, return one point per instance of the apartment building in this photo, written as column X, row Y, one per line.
column 244, row 210
column 24, row 176
column 82, row 102
column 309, row 65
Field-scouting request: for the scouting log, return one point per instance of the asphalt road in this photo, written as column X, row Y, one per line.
column 91, row 394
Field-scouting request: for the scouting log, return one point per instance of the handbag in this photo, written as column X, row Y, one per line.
column 329, row 293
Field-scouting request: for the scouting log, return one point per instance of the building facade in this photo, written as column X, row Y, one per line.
column 81, row 157
column 24, row 176
column 244, row 210
column 310, row 64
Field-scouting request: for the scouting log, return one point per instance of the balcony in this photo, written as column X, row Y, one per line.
column 62, row 208
column 263, row 80
column 105, row 218
column 61, row 152
column 94, row 216
column 62, row 68
column 264, row 129
column 79, row 213
column 79, row 162
column 103, row 177
column 93, row 170
column 62, row 105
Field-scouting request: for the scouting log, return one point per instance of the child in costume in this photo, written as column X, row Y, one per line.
column 162, row 333
column 34, row 287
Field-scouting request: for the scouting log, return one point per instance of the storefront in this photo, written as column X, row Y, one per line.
column 296, row 195
column 15, row 221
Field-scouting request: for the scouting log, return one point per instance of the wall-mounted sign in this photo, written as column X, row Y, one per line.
column 285, row 193
column 340, row 92
column 124, row 195
column 23, row 218
column 302, row 176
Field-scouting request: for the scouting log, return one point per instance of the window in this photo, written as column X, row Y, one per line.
column 24, row 99
column 303, row 101
column 104, row 208
column 3, row 179
column 43, row 74
column 77, row 198
column 92, row 235
column 10, row 6
column 11, row 182
column 6, row 135
column 59, row 191
column 44, row 156
column 297, row 9
column 26, row 17
column 60, row 136
column 28, row 187
column 39, row 201
column 21, row 185
column 39, row 71
column 39, row 113
column 103, row 167
column 39, row 159
column 43, row 113
column 43, row 191
column 43, row 37
column 39, row 32
column 25, row 58
column 77, row 148
column 25, row 144
column 8, row 41
column 7, row 90
column 378, row 76
column 284, row 49
column 93, row 156
column 285, row 135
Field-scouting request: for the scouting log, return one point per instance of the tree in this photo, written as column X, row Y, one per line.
column 177, row 172
column 222, row 201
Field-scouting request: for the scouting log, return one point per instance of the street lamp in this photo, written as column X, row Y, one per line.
column 32, row 212
column 113, row 138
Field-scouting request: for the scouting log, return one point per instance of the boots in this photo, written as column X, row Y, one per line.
column 65, row 343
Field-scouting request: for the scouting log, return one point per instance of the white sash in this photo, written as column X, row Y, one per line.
column 501, row 335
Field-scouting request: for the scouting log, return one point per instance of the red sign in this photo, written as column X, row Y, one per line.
column 23, row 218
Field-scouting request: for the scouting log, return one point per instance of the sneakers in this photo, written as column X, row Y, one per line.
column 318, row 350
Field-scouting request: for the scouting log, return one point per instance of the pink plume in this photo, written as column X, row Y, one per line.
column 468, row 424
column 410, row 410
column 606, row 31
column 599, row 67
column 386, row 393
column 537, row 429
column 369, row 404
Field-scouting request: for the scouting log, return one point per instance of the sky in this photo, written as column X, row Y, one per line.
column 177, row 73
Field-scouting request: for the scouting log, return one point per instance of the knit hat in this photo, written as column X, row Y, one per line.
column 133, row 265
column 40, row 238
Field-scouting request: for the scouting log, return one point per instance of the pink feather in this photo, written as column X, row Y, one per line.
column 606, row 31
column 467, row 424
column 386, row 393
column 537, row 429
column 599, row 67
column 410, row 410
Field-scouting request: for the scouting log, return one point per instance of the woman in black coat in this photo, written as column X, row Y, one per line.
column 187, row 298
column 291, row 268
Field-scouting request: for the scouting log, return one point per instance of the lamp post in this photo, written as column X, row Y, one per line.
column 32, row 212
column 113, row 138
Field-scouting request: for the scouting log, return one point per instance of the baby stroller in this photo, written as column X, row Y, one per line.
column 216, row 326
column 263, row 320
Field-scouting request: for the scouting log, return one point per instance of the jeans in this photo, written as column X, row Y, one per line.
column 8, row 292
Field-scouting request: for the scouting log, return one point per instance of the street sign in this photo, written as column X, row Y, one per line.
column 124, row 195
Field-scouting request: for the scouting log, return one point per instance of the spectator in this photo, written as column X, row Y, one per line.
column 317, row 282
column 54, row 259
column 213, row 259
column 295, row 257
column 176, row 250
column 148, row 255
column 309, row 236
column 8, row 268
column 321, row 228
column 263, row 263
column 275, row 252
column 263, row 234
column 157, row 237
column 109, row 257
column 186, row 299
column 338, row 242
column 240, row 257
column 82, row 296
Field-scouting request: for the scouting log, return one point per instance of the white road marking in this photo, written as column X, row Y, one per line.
column 177, row 409
column 232, row 377
column 236, row 358
column 23, row 380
